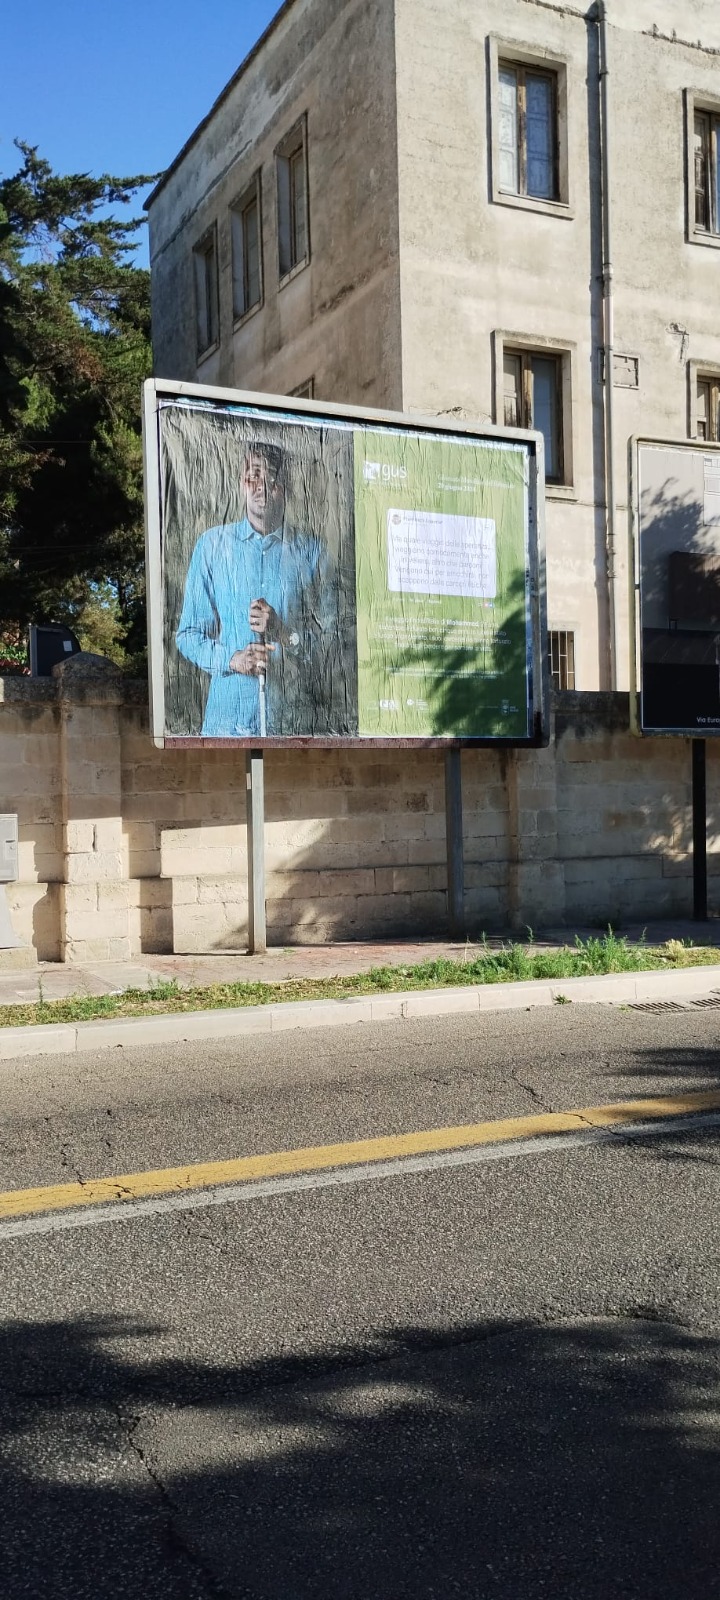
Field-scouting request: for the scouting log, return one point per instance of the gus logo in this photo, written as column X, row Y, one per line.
column 387, row 472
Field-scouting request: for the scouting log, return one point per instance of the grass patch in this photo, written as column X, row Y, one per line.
column 481, row 965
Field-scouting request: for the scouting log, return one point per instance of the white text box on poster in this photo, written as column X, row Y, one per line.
column 431, row 552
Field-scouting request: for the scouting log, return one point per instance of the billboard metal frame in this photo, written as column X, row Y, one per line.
column 635, row 444
column 157, row 390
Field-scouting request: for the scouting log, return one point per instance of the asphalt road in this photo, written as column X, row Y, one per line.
column 494, row 1380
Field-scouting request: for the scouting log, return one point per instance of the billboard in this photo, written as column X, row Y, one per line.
column 326, row 575
column 676, row 513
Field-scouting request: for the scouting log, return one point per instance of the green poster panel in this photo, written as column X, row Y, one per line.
column 442, row 583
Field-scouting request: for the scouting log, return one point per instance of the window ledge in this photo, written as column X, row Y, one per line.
column 527, row 202
column 294, row 272
column 701, row 236
column 210, row 351
column 560, row 491
column 239, row 322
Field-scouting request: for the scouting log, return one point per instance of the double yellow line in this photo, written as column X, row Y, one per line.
column 355, row 1153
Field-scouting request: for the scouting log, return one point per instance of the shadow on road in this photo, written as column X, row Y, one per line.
column 514, row 1461
column 690, row 1066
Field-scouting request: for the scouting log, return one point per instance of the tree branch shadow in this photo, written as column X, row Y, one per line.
column 504, row 1460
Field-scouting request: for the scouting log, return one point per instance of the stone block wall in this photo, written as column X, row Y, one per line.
column 125, row 848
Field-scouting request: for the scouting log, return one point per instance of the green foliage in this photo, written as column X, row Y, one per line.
column 503, row 965
column 13, row 652
column 74, row 349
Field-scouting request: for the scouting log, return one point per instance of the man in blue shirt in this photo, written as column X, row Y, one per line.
column 259, row 605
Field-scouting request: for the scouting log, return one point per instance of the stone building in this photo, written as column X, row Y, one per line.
column 477, row 207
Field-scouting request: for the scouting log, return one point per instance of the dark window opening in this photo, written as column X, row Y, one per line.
column 206, row 293
column 293, row 230
column 561, row 649
column 245, row 219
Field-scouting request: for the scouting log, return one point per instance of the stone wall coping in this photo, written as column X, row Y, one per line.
column 18, row 690
column 75, row 679
column 584, row 712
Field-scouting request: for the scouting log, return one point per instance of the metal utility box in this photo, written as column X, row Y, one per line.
column 50, row 643
column 8, row 848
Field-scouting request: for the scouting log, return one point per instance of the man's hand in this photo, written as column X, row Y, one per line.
column 263, row 619
column 252, row 662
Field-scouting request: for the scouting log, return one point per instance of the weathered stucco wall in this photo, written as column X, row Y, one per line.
column 474, row 266
column 125, row 848
column 338, row 320
column 418, row 266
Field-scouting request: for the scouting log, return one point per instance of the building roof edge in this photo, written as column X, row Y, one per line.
column 229, row 86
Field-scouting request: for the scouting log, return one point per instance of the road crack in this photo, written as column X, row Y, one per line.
column 180, row 1546
column 536, row 1098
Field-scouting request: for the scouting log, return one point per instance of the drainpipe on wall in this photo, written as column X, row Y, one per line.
column 608, row 336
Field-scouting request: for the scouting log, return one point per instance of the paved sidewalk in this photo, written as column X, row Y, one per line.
column 51, row 980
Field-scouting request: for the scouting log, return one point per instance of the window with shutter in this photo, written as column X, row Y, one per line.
column 528, row 132
column 532, row 398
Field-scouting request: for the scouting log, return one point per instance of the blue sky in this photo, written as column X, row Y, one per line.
column 117, row 87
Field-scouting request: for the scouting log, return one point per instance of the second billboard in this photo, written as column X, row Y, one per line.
column 677, row 562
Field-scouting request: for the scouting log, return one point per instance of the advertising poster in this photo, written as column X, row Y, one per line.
column 679, row 577
column 442, row 602
column 324, row 578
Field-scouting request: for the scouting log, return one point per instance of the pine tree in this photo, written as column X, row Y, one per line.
column 74, row 349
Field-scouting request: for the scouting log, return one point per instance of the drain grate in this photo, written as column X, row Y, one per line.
column 660, row 1005
column 711, row 1004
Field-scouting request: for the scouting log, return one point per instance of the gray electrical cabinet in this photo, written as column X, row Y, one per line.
column 8, row 847
column 8, row 874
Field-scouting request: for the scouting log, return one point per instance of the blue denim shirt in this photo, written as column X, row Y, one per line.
column 230, row 567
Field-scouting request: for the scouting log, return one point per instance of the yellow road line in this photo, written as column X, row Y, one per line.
column 356, row 1152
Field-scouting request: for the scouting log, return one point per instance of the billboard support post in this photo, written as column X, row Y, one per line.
column 255, row 801
column 699, row 828
column 454, row 842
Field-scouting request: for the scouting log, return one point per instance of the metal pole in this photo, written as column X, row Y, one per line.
column 454, row 838
column 608, row 337
column 699, row 826
column 255, row 801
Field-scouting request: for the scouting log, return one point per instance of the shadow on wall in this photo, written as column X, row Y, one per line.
column 472, row 690
column 680, row 594
column 357, row 849
column 356, row 838
column 505, row 1460
column 671, row 521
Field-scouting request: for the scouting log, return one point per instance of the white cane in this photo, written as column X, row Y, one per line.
column 262, row 704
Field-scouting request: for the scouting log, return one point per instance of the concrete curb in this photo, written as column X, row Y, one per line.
column 61, row 1039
